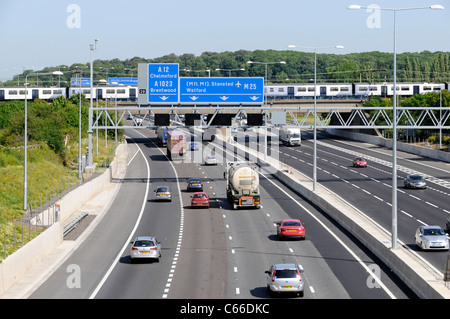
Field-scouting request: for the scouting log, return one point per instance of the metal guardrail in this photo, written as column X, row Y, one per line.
column 73, row 224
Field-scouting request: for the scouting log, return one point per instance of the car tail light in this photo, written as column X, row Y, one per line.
column 299, row 276
column 153, row 248
column 273, row 276
column 134, row 248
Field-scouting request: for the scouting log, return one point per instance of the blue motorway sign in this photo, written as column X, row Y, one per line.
column 163, row 83
column 222, row 90
column 76, row 82
column 123, row 81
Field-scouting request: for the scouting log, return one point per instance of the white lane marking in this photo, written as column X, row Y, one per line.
column 144, row 202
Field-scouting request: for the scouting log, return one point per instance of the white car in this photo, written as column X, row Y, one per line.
column 147, row 247
column 285, row 278
column 210, row 160
column 431, row 237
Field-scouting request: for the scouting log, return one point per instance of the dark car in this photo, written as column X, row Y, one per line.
column 195, row 184
column 415, row 181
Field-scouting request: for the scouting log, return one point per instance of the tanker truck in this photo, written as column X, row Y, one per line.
column 242, row 184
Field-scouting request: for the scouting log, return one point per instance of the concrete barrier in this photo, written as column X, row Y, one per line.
column 16, row 265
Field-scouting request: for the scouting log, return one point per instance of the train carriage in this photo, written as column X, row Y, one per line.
column 19, row 93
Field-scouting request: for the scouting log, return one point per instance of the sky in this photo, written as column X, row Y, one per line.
column 44, row 33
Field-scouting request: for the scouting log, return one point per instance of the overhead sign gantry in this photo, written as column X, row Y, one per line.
column 160, row 84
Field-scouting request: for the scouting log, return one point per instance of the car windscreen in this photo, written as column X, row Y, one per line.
column 286, row 273
column 416, row 178
column 433, row 232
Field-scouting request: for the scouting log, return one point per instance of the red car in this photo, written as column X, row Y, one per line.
column 200, row 199
column 292, row 228
column 359, row 162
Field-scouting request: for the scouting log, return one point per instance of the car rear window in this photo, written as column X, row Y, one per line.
column 144, row 243
column 162, row 189
column 286, row 273
column 200, row 196
column 291, row 224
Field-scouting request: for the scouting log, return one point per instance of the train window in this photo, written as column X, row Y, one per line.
column 437, row 88
column 334, row 89
column 120, row 91
column 47, row 92
column 270, row 89
column 311, row 89
column 280, row 89
column 13, row 92
column 405, row 88
column 373, row 88
column 363, row 88
column 22, row 92
column 301, row 89
column 396, row 88
column 86, row 91
column 110, row 91
column 344, row 89
column 427, row 88
column 57, row 91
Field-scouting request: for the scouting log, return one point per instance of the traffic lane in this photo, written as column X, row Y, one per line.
column 92, row 258
column 202, row 263
column 421, row 205
column 254, row 247
column 416, row 162
column 147, row 279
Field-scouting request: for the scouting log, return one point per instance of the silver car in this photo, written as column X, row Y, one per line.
column 285, row 278
column 210, row 160
column 431, row 237
column 145, row 247
column 163, row 193
column 415, row 181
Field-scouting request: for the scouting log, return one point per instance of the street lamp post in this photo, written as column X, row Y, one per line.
column 265, row 98
column 394, row 116
column 315, row 105
column 90, row 158
column 25, row 173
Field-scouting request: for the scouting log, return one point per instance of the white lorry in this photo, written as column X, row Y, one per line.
column 291, row 136
column 243, row 184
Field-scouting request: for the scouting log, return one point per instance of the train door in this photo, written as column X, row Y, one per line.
column 34, row 94
column 132, row 94
column 416, row 89
column 290, row 92
column 99, row 94
column 384, row 90
column 2, row 95
column 323, row 91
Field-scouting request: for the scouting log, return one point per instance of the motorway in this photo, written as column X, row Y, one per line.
column 217, row 252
